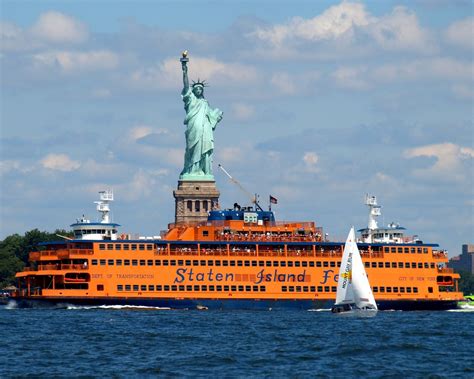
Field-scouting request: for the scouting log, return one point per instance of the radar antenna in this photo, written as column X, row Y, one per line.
column 103, row 205
column 253, row 198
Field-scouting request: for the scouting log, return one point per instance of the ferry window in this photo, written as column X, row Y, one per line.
column 408, row 289
column 290, row 264
column 413, row 264
column 110, row 262
column 326, row 288
column 110, row 246
column 268, row 263
column 407, row 250
column 203, row 263
column 196, row 287
column 126, row 262
column 149, row 247
column 141, row 247
column 415, row 289
column 418, row 250
column 233, row 288
column 298, row 264
column 119, row 262
column 395, row 289
column 189, row 288
column 402, row 289
column 189, row 205
column 320, row 288
column 187, row 262
column 118, row 246
column 94, row 262
column 263, row 288
column 254, row 263
column 134, row 246
column 393, row 249
column 165, row 262
column 195, row 262
column 284, row 288
column 333, row 289
column 420, row 265
column 374, row 264
column 382, row 289
column 126, row 246
column 134, row 262
column 304, row 264
column 159, row 287
column 325, row 264
column 224, row 263
column 283, row 264
column 219, row 288
column 387, row 264
column 389, row 289
column 400, row 264
column 149, row 262
column 425, row 250
column 430, row 289
column 143, row 287
column 174, row 287
column 204, row 287
column 412, row 250
column 173, row 262
column 387, row 249
column 432, row 265
column 119, row 287
column 261, row 263
column 380, row 264
column 239, row 263
column 226, row 288
column 151, row 287
column 142, row 262
column 205, row 233
column 101, row 246
column 400, row 250
column 339, row 264
column 135, row 287
column 166, row 287
column 427, row 265
column 212, row 288
column 291, row 288
column 248, row 288
column 157, row 262
column 367, row 264
column 241, row 288
column 298, row 288
column 102, row 262
column 375, row 289
column 407, row 264
column 332, row 264
column 275, row 263
column 181, row 288
column 394, row 264
column 318, row 264
column 128, row 287
column 311, row 264
column 254, row 288
column 209, row 263
column 312, row 289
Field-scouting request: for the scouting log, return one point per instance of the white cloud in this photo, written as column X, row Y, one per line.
column 57, row 27
column 243, row 111
column 169, row 75
column 284, row 83
column 351, row 77
column 450, row 161
column 140, row 131
column 71, row 61
column 460, row 33
column 311, row 160
column 463, row 91
column 59, row 162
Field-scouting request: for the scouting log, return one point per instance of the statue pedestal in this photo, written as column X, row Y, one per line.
column 194, row 199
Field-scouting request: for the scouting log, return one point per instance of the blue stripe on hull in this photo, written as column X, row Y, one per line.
column 231, row 304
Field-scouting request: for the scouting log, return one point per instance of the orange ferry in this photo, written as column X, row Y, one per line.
column 241, row 258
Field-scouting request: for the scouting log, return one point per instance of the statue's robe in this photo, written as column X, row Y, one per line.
column 200, row 121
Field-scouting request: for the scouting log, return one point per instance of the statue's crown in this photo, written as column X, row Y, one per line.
column 199, row 83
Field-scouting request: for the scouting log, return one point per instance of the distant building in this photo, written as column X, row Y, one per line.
column 465, row 261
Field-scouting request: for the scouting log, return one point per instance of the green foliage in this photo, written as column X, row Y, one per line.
column 14, row 251
column 466, row 283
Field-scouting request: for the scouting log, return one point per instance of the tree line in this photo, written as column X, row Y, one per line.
column 15, row 248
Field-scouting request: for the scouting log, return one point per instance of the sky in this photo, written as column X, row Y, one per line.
column 323, row 102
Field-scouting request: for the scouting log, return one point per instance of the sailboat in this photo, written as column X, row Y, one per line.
column 353, row 289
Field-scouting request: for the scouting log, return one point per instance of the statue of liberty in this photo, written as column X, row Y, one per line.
column 200, row 121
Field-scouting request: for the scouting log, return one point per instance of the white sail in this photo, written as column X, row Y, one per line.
column 344, row 287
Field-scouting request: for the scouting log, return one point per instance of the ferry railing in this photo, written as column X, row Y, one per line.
column 440, row 254
column 445, row 270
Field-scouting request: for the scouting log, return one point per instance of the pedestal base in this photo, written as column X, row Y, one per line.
column 194, row 199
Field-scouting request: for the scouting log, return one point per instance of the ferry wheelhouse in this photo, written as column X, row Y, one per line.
column 239, row 258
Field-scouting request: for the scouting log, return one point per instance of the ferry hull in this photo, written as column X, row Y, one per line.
column 229, row 304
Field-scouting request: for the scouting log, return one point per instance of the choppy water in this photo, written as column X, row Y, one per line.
column 143, row 342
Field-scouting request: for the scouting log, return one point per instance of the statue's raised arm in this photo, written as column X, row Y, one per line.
column 184, row 60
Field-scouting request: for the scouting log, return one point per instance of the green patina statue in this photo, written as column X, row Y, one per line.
column 200, row 121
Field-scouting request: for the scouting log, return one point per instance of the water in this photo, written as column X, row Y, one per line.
column 147, row 342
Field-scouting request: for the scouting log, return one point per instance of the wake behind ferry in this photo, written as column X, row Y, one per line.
column 239, row 258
